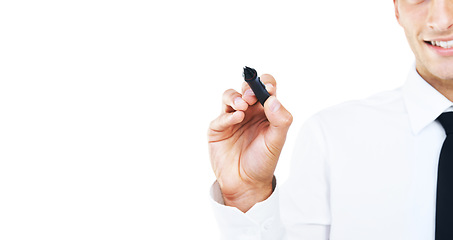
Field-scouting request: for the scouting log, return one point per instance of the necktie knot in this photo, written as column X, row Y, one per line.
column 446, row 120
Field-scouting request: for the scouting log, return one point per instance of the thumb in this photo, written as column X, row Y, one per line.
column 280, row 120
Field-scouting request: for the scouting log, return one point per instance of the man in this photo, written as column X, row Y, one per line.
column 364, row 169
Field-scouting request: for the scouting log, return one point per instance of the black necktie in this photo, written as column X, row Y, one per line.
column 444, row 202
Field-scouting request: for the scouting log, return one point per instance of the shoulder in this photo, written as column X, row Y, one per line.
column 381, row 103
column 380, row 107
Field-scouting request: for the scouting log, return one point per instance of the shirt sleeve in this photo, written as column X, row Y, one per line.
column 299, row 210
column 262, row 221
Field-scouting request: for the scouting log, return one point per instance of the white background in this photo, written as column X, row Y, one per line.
column 104, row 105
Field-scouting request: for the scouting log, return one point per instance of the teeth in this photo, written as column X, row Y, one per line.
column 442, row 44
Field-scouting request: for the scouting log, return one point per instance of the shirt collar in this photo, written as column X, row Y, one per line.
column 423, row 102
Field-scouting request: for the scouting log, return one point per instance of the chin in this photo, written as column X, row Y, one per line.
column 442, row 71
column 435, row 68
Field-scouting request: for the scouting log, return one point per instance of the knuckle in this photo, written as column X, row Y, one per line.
column 215, row 126
column 212, row 123
column 211, row 126
column 229, row 94
column 209, row 131
column 245, row 86
column 287, row 120
column 230, row 91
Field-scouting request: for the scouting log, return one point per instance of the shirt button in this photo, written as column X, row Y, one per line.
column 267, row 224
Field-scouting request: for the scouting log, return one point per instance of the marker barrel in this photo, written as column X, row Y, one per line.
column 259, row 89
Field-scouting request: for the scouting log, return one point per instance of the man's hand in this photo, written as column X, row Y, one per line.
column 245, row 142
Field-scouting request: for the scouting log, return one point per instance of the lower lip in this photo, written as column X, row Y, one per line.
column 445, row 52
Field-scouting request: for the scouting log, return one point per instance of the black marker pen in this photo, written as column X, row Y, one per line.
column 252, row 79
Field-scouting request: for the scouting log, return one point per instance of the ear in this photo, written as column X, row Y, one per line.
column 397, row 13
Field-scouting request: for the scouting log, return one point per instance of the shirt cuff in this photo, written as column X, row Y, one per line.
column 261, row 221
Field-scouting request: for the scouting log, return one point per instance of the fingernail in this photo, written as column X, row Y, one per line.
column 249, row 92
column 275, row 105
column 268, row 86
column 238, row 101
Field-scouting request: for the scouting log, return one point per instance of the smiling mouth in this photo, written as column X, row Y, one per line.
column 442, row 44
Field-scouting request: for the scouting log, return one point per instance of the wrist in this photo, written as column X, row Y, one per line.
column 249, row 196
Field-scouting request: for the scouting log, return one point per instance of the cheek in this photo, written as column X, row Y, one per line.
column 413, row 43
column 413, row 22
column 413, row 12
column 411, row 34
column 414, row 39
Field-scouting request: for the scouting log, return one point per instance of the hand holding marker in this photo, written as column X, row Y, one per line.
column 245, row 141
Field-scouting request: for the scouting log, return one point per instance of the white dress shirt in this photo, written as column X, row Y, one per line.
column 362, row 170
